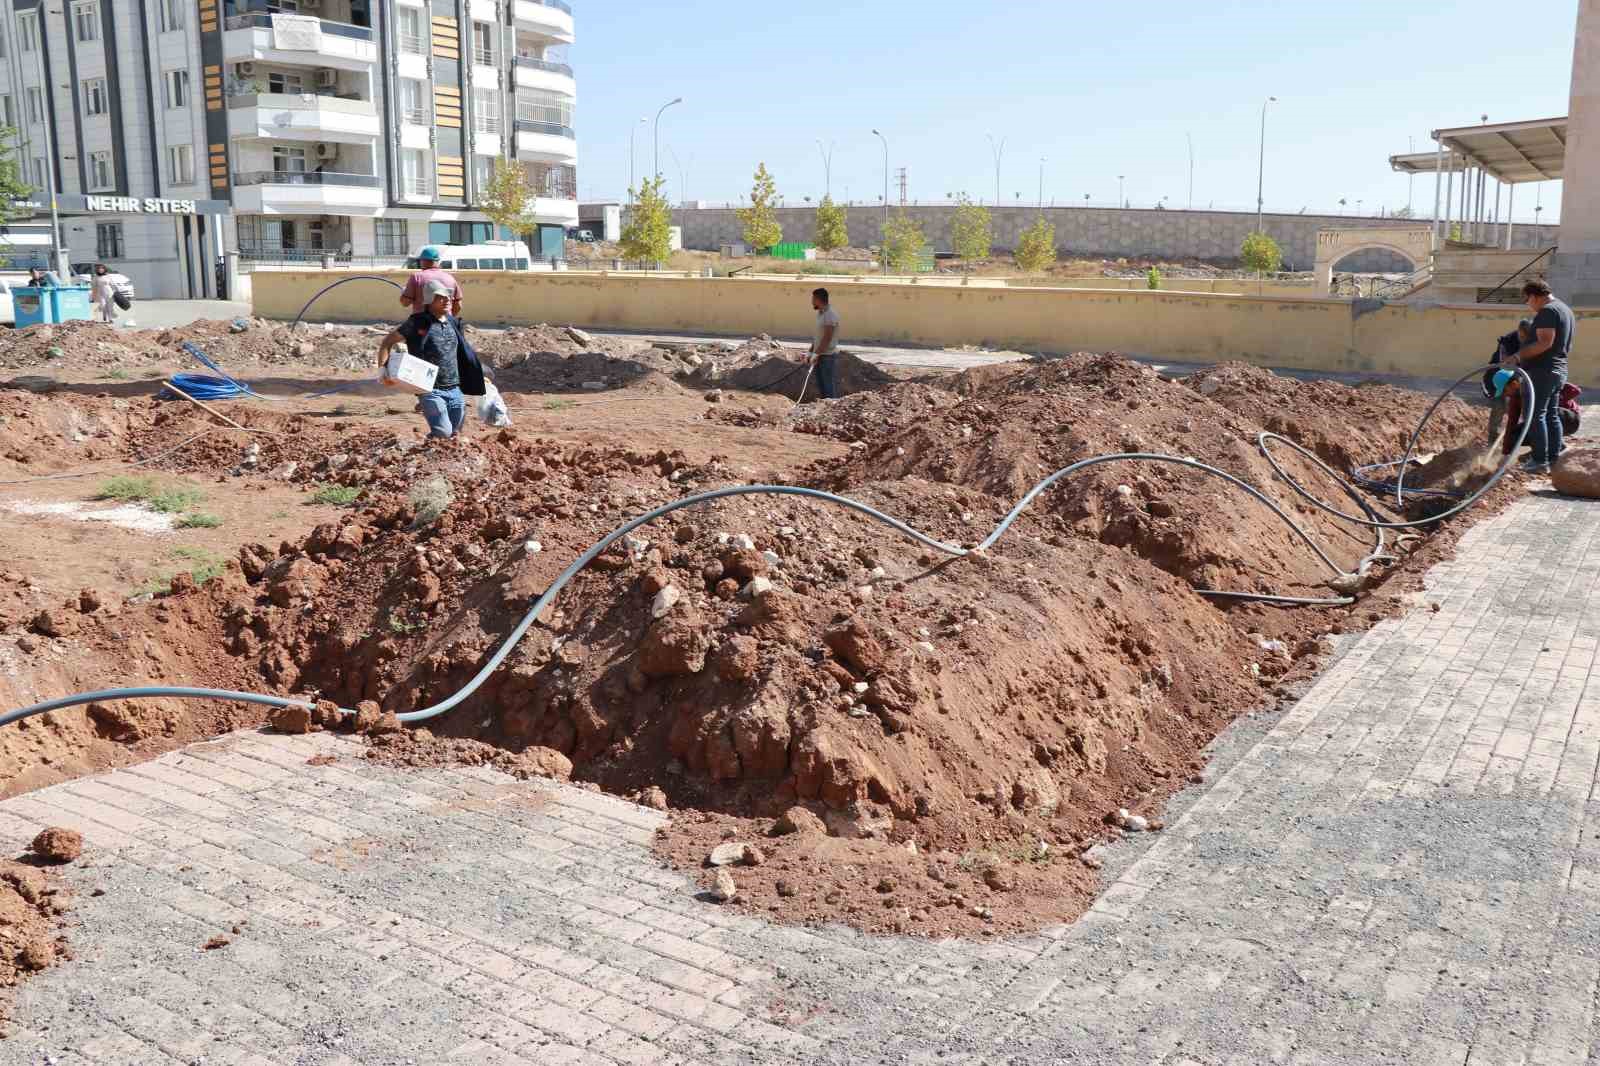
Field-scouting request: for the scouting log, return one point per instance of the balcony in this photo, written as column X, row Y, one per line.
column 285, row 117
column 547, row 140
column 341, row 46
column 553, row 18
column 416, row 189
column 543, row 74
column 267, row 192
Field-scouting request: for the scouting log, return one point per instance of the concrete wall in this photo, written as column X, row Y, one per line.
column 1095, row 231
column 1304, row 333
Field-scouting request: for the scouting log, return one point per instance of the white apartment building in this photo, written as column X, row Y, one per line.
column 176, row 132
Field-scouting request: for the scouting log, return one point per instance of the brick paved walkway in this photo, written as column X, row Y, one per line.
column 1397, row 871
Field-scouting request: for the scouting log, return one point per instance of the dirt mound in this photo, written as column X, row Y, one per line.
column 31, row 905
column 77, row 346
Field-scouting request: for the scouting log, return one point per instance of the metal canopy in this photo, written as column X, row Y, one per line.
column 1426, row 163
column 1511, row 152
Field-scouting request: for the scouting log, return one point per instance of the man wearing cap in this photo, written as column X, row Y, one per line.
column 428, row 270
column 434, row 335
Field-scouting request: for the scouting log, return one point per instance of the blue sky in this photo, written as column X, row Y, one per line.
column 1096, row 89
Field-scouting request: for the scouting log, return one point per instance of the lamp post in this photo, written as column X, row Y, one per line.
column 1261, row 163
column 1121, row 202
column 664, row 106
column 632, row 137
column 885, row 253
column 827, row 167
column 998, row 150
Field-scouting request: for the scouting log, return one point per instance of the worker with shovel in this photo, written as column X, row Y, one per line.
column 824, row 355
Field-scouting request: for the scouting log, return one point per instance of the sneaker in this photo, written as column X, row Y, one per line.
column 1533, row 466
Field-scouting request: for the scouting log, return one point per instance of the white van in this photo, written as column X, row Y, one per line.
column 511, row 255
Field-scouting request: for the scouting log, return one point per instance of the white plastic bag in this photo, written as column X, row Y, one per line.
column 491, row 408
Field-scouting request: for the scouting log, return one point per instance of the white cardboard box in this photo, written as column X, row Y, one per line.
column 407, row 371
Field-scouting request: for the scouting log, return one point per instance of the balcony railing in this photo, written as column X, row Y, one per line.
column 313, row 177
column 534, row 63
column 412, row 44
column 336, row 29
column 553, row 181
column 482, row 123
column 322, row 100
column 559, row 5
column 416, row 188
column 417, row 116
column 482, row 56
column 553, row 129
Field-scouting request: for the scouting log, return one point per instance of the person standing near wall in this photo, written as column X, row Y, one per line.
column 825, row 345
column 1545, row 360
column 108, row 286
column 428, row 271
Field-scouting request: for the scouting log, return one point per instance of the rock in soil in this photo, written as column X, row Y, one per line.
column 58, row 845
column 724, row 891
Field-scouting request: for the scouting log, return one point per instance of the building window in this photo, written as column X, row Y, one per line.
column 95, row 101
column 171, row 15
column 413, row 102
column 290, row 84
column 175, row 86
column 483, row 44
column 107, row 240
column 180, row 162
column 86, row 17
column 8, row 113
column 486, row 111
column 411, row 42
column 482, row 172
column 460, row 232
column 41, row 177
column 3, row 46
column 286, row 160
column 100, row 176
column 544, row 105
column 393, row 239
column 28, row 30
column 35, row 104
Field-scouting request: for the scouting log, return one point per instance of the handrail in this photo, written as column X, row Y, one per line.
column 263, row 21
column 1519, row 270
column 554, row 129
column 559, row 5
column 310, row 177
column 543, row 64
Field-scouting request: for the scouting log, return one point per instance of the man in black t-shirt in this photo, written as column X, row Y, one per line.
column 1545, row 360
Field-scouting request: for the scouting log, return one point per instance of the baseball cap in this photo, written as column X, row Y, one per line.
column 431, row 252
column 436, row 288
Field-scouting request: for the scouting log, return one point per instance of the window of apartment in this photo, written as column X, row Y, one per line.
column 28, row 30
column 3, row 46
column 8, row 113
column 286, row 160
column 393, row 238
column 486, row 111
column 86, row 19
column 41, row 177
column 175, row 89
column 413, row 101
column 411, row 39
column 483, row 44
column 95, row 100
column 544, row 105
column 35, row 104
column 180, row 163
column 482, row 172
column 414, row 173
column 171, row 15
column 108, row 240
column 100, row 175
column 288, row 7
column 279, row 82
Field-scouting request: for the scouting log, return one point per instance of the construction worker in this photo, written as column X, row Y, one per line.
column 1545, row 360
column 824, row 355
column 411, row 297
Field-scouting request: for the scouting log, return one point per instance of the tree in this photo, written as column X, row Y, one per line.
column 833, row 225
column 1037, row 248
column 648, row 235
column 1261, row 253
column 761, row 229
column 1402, row 212
column 971, row 233
column 903, row 243
column 1152, row 278
column 508, row 197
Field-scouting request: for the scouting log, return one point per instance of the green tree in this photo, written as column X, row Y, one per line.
column 508, row 197
column 648, row 235
column 971, row 232
column 833, row 225
column 1037, row 248
column 1402, row 212
column 903, row 243
column 1455, row 231
column 1261, row 253
column 1152, row 278
column 761, row 229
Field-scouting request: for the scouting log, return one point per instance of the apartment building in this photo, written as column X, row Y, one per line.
column 177, row 131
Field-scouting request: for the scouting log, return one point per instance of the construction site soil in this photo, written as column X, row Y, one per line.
column 905, row 741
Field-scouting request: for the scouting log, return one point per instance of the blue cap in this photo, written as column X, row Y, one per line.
column 1501, row 379
column 431, row 252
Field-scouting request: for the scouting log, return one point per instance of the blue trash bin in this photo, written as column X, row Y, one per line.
column 31, row 306
column 69, row 303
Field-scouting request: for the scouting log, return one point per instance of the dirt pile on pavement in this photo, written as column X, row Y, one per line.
column 31, row 905
column 78, row 346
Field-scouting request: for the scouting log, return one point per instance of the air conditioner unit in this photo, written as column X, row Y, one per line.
column 244, row 70
column 325, row 150
column 327, row 78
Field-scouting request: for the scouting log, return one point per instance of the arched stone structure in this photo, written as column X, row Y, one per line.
column 1412, row 243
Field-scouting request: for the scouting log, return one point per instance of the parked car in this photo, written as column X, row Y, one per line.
column 581, row 235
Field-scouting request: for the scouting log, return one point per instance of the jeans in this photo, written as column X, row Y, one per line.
column 445, row 410
column 827, row 376
column 1544, row 432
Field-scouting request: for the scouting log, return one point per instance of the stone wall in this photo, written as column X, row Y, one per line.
column 1096, row 231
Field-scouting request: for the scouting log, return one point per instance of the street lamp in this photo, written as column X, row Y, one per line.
column 1261, row 164
column 827, row 166
column 1120, row 201
column 664, row 106
column 884, row 255
column 998, row 150
column 631, row 139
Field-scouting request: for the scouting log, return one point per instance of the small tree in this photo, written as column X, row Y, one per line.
column 761, row 229
column 1455, row 231
column 833, row 225
column 648, row 235
column 903, row 242
column 507, row 197
column 1152, row 278
column 971, row 232
column 1261, row 253
column 1037, row 248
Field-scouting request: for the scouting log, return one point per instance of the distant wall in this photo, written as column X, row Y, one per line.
column 1105, row 231
column 1299, row 332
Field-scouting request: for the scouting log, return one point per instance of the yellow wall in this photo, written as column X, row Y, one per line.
column 1299, row 332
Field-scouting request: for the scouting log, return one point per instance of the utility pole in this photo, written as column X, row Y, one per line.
column 884, row 254
column 998, row 150
column 60, row 251
column 1261, row 165
column 827, row 167
column 664, row 106
column 1121, row 202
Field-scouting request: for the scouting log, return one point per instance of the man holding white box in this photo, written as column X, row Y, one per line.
column 434, row 337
